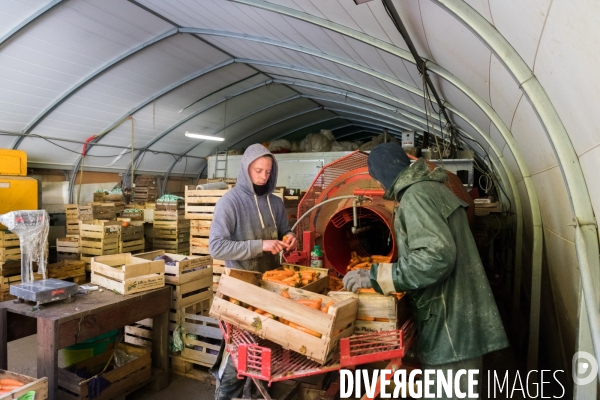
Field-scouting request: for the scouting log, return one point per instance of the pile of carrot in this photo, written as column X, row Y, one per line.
column 358, row 262
column 335, row 284
column 289, row 277
column 8, row 385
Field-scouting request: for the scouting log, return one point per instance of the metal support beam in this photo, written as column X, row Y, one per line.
column 141, row 105
column 33, row 17
column 193, row 115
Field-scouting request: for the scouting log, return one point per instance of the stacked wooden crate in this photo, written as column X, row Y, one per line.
column 67, row 248
column 73, row 270
column 200, row 208
column 127, row 274
column 98, row 238
column 103, row 211
column 171, row 231
column 72, row 213
column 11, row 275
column 10, row 247
column 132, row 237
column 146, row 188
column 191, row 280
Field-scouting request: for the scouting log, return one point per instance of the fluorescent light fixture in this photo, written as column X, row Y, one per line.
column 205, row 137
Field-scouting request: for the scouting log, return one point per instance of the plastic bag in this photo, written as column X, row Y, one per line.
column 344, row 146
column 176, row 343
column 314, row 142
column 122, row 358
column 280, row 144
column 328, row 134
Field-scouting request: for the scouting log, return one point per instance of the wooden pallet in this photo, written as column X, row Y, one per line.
column 68, row 244
column 200, row 204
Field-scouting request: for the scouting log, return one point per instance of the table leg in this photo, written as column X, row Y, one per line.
column 160, row 350
column 47, row 354
column 3, row 339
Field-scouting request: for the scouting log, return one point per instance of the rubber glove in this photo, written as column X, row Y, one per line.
column 358, row 279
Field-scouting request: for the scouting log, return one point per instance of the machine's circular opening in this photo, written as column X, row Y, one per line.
column 374, row 237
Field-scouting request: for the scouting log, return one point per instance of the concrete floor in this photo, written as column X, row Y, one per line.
column 22, row 358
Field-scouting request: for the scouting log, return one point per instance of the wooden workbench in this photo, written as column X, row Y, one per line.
column 62, row 324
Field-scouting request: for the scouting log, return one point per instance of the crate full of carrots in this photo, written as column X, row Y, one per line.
column 302, row 321
column 14, row 386
column 313, row 279
column 376, row 312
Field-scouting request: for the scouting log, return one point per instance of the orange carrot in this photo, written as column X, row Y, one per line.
column 285, row 294
column 305, row 330
column 326, row 306
column 305, row 282
column 370, row 290
column 365, row 318
column 382, row 319
column 259, row 311
column 10, row 382
column 316, row 304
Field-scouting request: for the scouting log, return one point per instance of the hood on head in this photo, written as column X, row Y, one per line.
column 386, row 161
column 252, row 153
column 418, row 172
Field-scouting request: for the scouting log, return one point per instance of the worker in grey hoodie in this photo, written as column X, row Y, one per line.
column 247, row 232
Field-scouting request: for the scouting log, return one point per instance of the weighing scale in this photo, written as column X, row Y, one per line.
column 31, row 226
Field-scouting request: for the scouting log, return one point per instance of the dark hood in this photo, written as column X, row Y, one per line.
column 252, row 153
column 386, row 161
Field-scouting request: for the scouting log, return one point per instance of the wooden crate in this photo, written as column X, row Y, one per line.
column 10, row 254
column 66, row 269
column 149, row 215
column 145, row 180
column 10, row 246
column 376, row 312
column 123, row 379
column 170, row 205
column 37, row 385
column 106, row 211
column 72, row 226
column 97, row 238
column 248, row 288
column 218, row 269
column 132, row 246
column 191, row 369
column 133, row 214
column 9, row 268
column 126, row 274
column 85, row 213
column 204, row 347
column 200, row 227
column 67, row 244
column 199, row 245
column 193, row 291
column 7, row 281
column 140, row 333
column 67, row 256
column 186, row 268
column 134, row 231
column 72, row 211
column 200, row 204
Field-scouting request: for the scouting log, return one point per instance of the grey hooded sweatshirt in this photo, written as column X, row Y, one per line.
column 242, row 220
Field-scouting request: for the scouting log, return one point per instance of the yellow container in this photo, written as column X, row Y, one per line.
column 18, row 193
column 13, row 162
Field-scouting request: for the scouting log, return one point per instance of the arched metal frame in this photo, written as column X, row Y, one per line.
column 33, row 17
column 579, row 203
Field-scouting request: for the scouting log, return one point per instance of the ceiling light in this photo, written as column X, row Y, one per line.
column 205, row 137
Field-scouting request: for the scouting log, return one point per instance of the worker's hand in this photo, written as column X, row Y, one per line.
column 291, row 241
column 273, row 246
column 358, row 279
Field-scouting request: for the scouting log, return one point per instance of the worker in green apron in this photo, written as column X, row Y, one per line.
column 438, row 266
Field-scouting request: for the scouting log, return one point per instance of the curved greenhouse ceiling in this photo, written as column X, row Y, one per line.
column 518, row 77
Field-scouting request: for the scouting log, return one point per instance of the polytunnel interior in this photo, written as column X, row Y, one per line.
column 95, row 92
